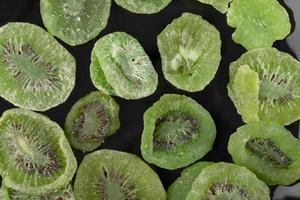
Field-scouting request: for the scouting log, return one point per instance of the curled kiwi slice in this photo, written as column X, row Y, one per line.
column 228, row 181
column 258, row 23
column 92, row 119
column 121, row 67
column 114, row 175
column 143, row 6
column 220, row 5
column 182, row 186
column 279, row 85
column 36, row 72
column 35, row 155
column 62, row 194
column 177, row 132
column 75, row 22
column 267, row 149
column 190, row 50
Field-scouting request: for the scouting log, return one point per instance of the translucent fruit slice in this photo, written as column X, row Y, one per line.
column 35, row 155
column 121, row 67
column 220, row 5
column 114, row 175
column 63, row 194
column 177, row 132
column 228, row 181
column 92, row 119
column 279, row 85
column 269, row 150
column 245, row 90
column 36, row 72
column 190, row 50
column 258, row 23
column 143, row 6
column 75, row 22
column 182, row 186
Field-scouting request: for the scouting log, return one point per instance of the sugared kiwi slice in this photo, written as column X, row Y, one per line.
column 228, row 181
column 92, row 119
column 121, row 67
column 177, row 132
column 220, row 5
column 190, row 50
column 278, row 83
column 36, row 72
column 35, row 155
column 114, row 175
column 267, row 149
column 182, row 186
column 62, row 194
column 258, row 23
column 143, row 6
column 75, row 22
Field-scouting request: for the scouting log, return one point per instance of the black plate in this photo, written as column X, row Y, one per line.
column 145, row 28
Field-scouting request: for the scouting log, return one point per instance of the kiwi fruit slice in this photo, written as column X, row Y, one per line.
column 279, row 85
column 190, row 50
column 62, row 194
column 143, row 6
column 36, row 72
column 177, row 132
column 114, row 175
column 121, row 67
column 92, row 119
column 35, row 155
column 258, row 23
column 267, row 149
column 221, row 5
column 182, row 186
column 75, row 22
column 228, row 181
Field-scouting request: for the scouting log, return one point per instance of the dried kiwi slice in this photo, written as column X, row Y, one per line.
column 220, row 5
column 177, row 132
column 121, row 67
column 36, row 72
column 182, row 186
column 114, row 175
column 62, row 194
column 228, row 181
column 75, row 22
column 267, row 149
column 92, row 119
column 143, row 6
column 190, row 50
column 258, row 23
column 35, row 155
column 279, row 84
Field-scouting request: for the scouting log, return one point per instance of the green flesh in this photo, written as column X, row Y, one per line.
column 220, row 5
column 143, row 6
column 113, row 175
column 269, row 150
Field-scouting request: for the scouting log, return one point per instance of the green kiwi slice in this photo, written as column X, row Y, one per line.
column 62, row 194
column 115, row 175
column 121, row 67
column 279, row 83
column 190, row 50
column 258, row 23
column 177, row 132
column 221, row 5
column 35, row 155
column 92, row 119
column 36, row 72
column 182, row 186
column 267, row 149
column 228, row 181
column 143, row 6
column 75, row 22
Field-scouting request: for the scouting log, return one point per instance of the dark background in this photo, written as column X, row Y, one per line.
column 145, row 28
